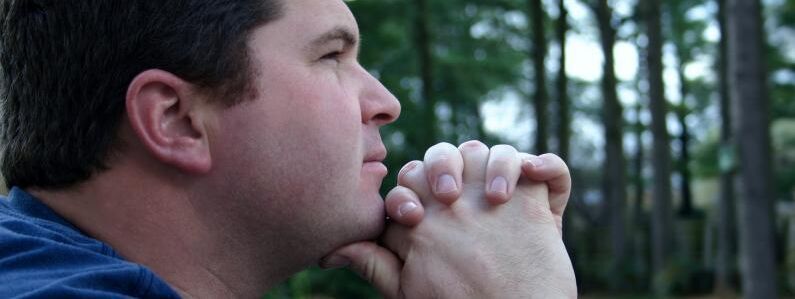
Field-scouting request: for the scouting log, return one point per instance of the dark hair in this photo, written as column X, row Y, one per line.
column 66, row 67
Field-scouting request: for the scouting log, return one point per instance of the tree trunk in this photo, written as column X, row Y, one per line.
column 686, row 206
column 749, row 94
column 539, row 54
column 638, row 219
column 725, row 264
column 662, row 216
column 678, row 29
column 564, row 113
column 425, row 55
column 615, row 164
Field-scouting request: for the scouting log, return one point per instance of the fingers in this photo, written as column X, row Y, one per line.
column 475, row 155
column 447, row 171
column 502, row 173
column 443, row 166
column 413, row 176
column 374, row 263
column 551, row 169
column 403, row 206
column 398, row 239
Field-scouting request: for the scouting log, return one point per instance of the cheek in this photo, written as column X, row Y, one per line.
column 319, row 135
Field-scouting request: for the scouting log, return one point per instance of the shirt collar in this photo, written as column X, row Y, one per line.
column 27, row 204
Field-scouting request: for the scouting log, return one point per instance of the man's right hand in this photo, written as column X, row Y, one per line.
column 472, row 244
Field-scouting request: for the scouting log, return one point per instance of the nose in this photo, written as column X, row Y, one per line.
column 379, row 106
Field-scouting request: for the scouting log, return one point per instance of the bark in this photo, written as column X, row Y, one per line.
column 539, row 54
column 423, row 41
column 638, row 219
column 615, row 164
column 662, row 216
column 747, row 80
column 686, row 206
column 727, row 243
column 564, row 113
column 564, row 109
column 640, row 157
column 678, row 29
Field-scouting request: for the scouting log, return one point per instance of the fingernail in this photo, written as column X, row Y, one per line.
column 445, row 184
column 335, row 261
column 406, row 208
column 535, row 162
column 499, row 185
column 408, row 167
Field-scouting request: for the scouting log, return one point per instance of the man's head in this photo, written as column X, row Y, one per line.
column 306, row 151
column 67, row 65
column 289, row 166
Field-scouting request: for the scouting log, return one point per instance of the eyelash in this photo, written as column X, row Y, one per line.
column 335, row 55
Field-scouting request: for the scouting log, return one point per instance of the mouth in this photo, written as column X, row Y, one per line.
column 377, row 154
column 373, row 161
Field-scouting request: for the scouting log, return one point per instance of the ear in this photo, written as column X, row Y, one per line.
column 169, row 118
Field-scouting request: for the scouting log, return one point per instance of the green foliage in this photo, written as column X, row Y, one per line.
column 319, row 283
column 783, row 134
column 706, row 157
column 479, row 49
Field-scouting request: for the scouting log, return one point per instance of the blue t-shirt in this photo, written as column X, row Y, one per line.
column 44, row 256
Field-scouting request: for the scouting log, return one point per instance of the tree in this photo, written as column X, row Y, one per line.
column 539, row 53
column 684, row 33
column 423, row 43
column 564, row 113
column 749, row 94
column 726, row 249
column 639, row 218
column 662, row 216
column 615, row 163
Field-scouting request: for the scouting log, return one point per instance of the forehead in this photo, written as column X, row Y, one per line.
column 313, row 17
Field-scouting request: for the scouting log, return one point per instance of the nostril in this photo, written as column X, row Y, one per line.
column 383, row 118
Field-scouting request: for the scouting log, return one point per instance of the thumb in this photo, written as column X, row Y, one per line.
column 376, row 264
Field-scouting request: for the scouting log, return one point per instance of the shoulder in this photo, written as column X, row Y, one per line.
column 40, row 258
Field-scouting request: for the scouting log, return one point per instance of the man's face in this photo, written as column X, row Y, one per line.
column 294, row 159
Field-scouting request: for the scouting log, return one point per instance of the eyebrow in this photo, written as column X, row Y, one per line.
column 338, row 33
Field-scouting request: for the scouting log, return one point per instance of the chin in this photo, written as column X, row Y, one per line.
column 373, row 220
column 366, row 221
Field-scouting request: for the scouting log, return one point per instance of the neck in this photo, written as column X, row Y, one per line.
column 156, row 225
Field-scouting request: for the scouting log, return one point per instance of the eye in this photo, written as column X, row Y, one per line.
column 333, row 55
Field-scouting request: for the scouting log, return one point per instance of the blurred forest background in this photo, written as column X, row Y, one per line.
column 676, row 117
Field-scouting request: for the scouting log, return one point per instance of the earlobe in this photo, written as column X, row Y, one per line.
column 165, row 114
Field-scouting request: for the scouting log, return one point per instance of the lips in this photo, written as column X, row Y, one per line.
column 372, row 164
column 377, row 154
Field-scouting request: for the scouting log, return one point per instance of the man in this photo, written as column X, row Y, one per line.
column 213, row 148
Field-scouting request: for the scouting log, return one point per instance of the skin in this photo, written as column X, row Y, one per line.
column 229, row 201
column 464, row 244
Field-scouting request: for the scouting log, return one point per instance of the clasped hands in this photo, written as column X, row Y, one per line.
column 471, row 222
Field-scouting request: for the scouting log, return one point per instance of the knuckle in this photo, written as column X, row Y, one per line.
column 441, row 147
column 472, row 144
column 441, row 155
column 441, row 164
column 556, row 161
column 504, row 148
column 501, row 162
column 553, row 158
column 396, row 192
